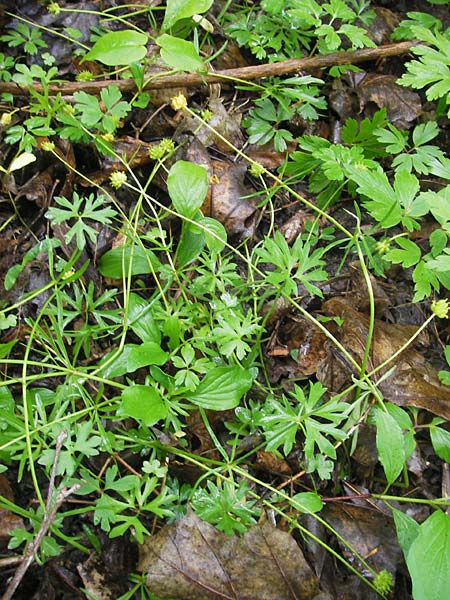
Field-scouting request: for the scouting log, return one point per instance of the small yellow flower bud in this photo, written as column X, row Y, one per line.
column 117, row 179
column 383, row 246
column 5, row 119
column 108, row 137
column 178, row 102
column 54, row 8
column 256, row 170
column 84, row 76
column 440, row 308
column 47, row 146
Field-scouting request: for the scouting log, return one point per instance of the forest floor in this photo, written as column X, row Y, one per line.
column 224, row 283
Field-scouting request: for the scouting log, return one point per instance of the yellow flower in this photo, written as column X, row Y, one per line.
column 117, row 179
column 440, row 308
column 47, row 146
column 5, row 119
column 178, row 102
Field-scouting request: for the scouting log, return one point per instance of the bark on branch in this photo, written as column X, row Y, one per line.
column 160, row 80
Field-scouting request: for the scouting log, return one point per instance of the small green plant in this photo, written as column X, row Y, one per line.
column 284, row 29
column 28, row 37
column 318, row 420
column 432, row 69
column 76, row 212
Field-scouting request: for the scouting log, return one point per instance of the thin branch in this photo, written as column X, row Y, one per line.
column 49, row 517
column 159, row 80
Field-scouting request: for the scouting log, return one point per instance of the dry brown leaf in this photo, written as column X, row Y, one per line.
column 370, row 532
column 363, row 90
column 413, row 383
column 192, row 560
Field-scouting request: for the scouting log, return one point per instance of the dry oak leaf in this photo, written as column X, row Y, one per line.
column 192, row 560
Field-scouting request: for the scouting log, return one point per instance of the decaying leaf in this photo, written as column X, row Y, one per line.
column 414, row 381
column 370, row 532
column 192, row 560
column 8, row 520
column 223, row 130
column 402, row 104
column 227, row 199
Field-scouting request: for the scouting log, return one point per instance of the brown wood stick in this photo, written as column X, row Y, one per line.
column 160, row 80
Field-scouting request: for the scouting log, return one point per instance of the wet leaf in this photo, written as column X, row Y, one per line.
column 8, row 519
column 119, row 48
column 194, row 561
column 370, row 532
column 228, row 203
column 183, row 9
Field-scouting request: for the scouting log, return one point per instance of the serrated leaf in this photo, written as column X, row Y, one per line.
column 407, row 255
column 390, row 445
column 179, row 54
column 119, row 48
column 183, row 9
column 187, row 184
column 143, row 403
column 424, row 133
column 222, row 388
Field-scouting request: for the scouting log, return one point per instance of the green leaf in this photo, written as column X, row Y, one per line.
column 129, row 259
column 119, row 48
column 407, row 255
column 183, row 9
column 425, row 132
column 187, row 184
column 145, row 354
column 428, row 559
column 215, row 234
column 307, row 502
column 179, row 54
column 382, row 202
column 222, row 388
column 141, row 319
column 143, row 403
column 440, row 438
column 407, row 529
column 390, row 445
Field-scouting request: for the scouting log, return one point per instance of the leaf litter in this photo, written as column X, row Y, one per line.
column 190, row 558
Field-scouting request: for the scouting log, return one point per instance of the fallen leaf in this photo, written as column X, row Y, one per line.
column 8, row 520
column 192, row 560
column 355, row 93
column 414, row 381
column 370, row 532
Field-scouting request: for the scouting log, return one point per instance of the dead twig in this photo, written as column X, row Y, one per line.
column 49, row 516
column 159, row 80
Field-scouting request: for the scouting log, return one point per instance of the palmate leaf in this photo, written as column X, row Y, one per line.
column 433, row 66
column 390, row 205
